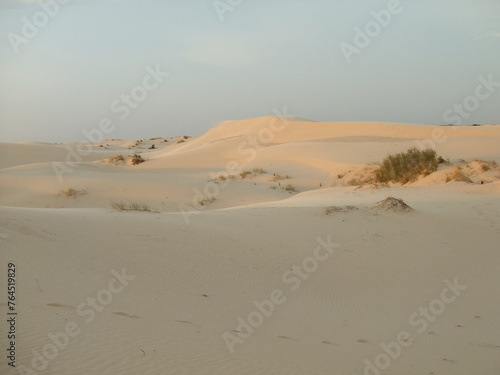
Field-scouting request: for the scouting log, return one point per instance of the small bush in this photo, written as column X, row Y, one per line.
column 407, row 166
column 137, row 159
column 122, row 206
column 181, row 141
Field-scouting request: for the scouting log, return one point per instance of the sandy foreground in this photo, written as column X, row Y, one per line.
column 291, row 268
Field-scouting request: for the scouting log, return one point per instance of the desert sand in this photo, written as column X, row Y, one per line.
column 257, row 248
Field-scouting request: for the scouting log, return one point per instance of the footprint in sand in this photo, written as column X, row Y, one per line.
column 126, row 315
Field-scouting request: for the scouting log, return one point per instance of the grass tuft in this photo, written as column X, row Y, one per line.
column 71, row 193
column 122, row 206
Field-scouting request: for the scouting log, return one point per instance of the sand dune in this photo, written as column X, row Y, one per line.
column 195, row 272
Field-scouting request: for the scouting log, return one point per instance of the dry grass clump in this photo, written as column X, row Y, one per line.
column 407, row 166
column 244, row 174
column 487, row 165
column 253, row 172
column 116, row 159
column 206, row 201
column 257, row 171
column 289, row 188
column 458, row 175
column 336, row 209
column 122, row 206
column 278, row 177
column 71, row 193
column 137, row 159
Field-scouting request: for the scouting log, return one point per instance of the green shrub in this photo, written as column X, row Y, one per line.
column 407, row 166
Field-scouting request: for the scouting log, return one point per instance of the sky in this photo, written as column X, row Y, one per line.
column 159, row 68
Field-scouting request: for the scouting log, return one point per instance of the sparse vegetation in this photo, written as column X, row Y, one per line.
column 181, row 140
column 244, row 174
column 459, row 175
column 122, row 206
column 407, row 166
column 206, row 201
column 257, row 171
column 335, row 209
column 278, row 177
column 354, row 182
column 340, row 176
column 137, row 159
column 487, row 165
column 71, row 193
column 116, row 159
column 254, row 172
column 289, row 188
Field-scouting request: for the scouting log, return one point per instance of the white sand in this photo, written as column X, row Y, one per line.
column 194, row 280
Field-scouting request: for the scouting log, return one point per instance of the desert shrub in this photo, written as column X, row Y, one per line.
column 122, row 206
column 407, row 166
column 181, row 141
column 137, row 159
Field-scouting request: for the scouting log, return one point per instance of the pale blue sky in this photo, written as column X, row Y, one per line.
column 265, row 54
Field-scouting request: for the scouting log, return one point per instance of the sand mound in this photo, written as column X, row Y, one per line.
column 392, row 204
